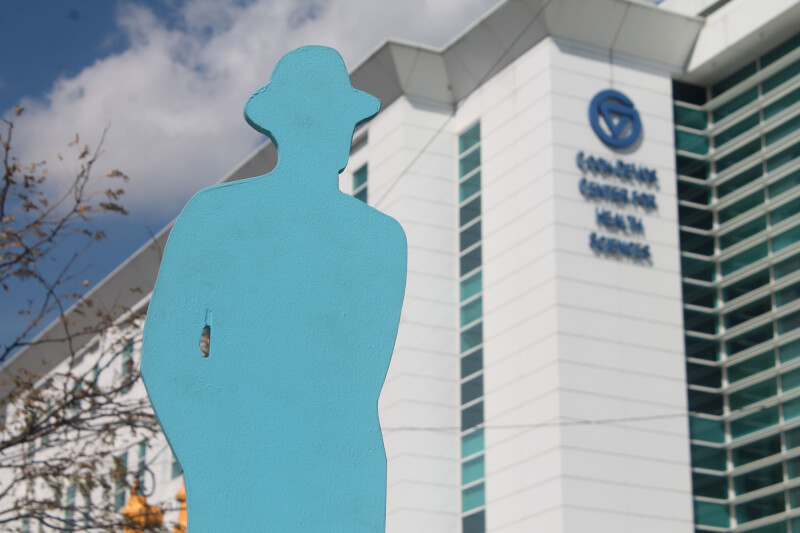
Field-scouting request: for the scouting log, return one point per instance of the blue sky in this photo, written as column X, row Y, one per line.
column 170, row 78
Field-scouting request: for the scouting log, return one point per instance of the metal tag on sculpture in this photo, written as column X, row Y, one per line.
column 273, row 320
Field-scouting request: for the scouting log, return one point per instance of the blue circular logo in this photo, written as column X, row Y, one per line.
column 614, row 119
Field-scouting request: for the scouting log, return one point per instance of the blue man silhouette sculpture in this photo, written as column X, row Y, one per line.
column 294, row 290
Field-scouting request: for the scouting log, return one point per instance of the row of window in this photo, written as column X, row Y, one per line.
column 473, row 470
column 738, row 139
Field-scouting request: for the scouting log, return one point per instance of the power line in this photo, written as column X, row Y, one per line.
column 561, row 423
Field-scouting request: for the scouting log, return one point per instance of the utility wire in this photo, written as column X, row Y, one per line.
column 561, row 423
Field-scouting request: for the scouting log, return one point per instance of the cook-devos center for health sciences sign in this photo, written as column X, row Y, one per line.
column 616, row 122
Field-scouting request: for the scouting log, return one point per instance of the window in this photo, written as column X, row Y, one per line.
column 471, row 316
column 360, row 183
column 119, row 483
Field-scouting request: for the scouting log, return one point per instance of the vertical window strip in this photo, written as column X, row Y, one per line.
column 471, row 331
column 119, row 484
column 360, row 183
column 722, row 416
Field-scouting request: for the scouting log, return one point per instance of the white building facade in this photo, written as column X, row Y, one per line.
column 599, row 323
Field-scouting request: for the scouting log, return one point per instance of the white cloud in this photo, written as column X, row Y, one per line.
column 174, row 98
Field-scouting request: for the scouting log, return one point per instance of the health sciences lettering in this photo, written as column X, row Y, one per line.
column 618, row 246
column 599, row 165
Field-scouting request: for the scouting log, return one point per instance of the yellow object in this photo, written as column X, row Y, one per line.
column 137, row 516
column 180, row 527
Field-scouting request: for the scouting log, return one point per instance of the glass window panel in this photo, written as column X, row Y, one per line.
column 471, row 286
column 710, row 486
column 754, row 422
column 473, row 497
column 794, row 497
column 780, row 51
column 708, row 403
column 472, row 443
column 691, row 142
column 787, row 294
column 470, row 236
column 704, row 375
column 754, row 393
column 746, row 285
column 787, row 266
column 791, row 409
column 694, row 192
column 469, row 211
column 758, row 479
column 695, row 218
column 361, row 195
column 755, row 451
column 779, row 527
column 748, row 312
column 784, row 184
column 793, row 467
column 697, row 269
column 749, row 339
column 788, row 323
column 743, row 232
column 738, row 155
column 734, row 105
column 742, row 206
column 469, row 162
column 471, row 311
column 787, row 238
column 360, row 177
column 735, row 78
column 472, row 470
column 472, row 416
column 781, row 104
column 686, row 92
column 691, row 118
column 790, row 380
column 782, row 130
column 789, row 351
column 706, row 429
column 736, row 130
column 698, row 348
column 742, row 259
column 780, row 77
column 474, row 523
column 472, row 389
column 694, row 168
column 708, row 457
column 471, row 260
column 469, row 186
column 472, row 337
column 469, row 138
column 761, row 507
column 751, row 366
column 472, row 363
column 787, row 210
column 699, row 295
column 701, row 322
column 711, row 514
column 740, row 180
column 792, row 437
column 780, row 159
column 696, row 243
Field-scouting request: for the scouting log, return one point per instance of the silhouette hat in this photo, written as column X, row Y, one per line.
column 309, row 89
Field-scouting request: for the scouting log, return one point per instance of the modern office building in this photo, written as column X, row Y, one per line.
column 601, row 329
